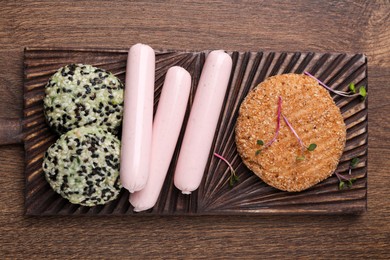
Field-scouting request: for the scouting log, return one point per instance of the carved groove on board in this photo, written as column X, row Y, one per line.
column 214, row 197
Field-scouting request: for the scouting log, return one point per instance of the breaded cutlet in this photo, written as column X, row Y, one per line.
column 315, row 117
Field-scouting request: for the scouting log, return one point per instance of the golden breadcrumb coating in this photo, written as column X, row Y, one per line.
column 315, row 117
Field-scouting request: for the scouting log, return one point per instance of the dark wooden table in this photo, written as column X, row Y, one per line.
column 323, row 26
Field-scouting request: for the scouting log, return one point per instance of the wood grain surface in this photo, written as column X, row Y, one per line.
column 317, row 26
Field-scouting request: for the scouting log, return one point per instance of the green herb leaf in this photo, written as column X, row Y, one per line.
column 300, row 158
column 233, row 179
column 352, row 88
column 258, row 152
column 363, row 92
column 341, row 185
column 312, row 147
column 350, row 183
column 231, row 182
column 354, row 162
column 260, row 142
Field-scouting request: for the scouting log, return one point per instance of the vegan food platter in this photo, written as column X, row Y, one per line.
column 228, row 184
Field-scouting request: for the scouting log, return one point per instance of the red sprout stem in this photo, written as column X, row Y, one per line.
column 341, row 93
column 339, row 176
column 227, row 162
column 294, row 132
column 277, row 123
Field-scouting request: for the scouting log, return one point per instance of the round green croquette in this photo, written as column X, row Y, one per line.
column 80, row 95
column 83, row 166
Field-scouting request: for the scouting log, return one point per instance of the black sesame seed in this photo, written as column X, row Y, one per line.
column 72, row 68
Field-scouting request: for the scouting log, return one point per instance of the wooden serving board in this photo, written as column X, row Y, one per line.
column 250, row 196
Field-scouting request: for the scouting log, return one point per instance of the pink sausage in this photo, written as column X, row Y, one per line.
column 137, row 117
column 203, row 121
column 166, row 129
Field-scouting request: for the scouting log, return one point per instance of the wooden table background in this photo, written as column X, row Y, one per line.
column 323, row 26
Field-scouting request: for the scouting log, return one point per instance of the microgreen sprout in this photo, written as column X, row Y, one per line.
column 352, row 90
column 233, row 176
column 347, row 180
column 260, row 142
column 310, row 148
column 344, row 180
column 353, row 164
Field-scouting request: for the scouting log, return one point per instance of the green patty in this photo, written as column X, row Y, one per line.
column 83, row 166
column 80, row 95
